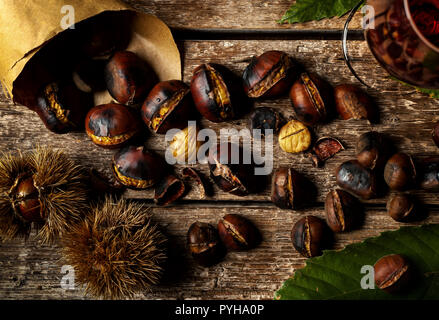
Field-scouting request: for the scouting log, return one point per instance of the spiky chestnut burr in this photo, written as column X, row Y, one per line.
column 117, row 250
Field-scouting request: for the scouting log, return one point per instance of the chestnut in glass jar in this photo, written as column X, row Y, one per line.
column 392, row 273
column 342, row 210
column 352, row 102
column 311, row 98
column 269, row 75
column 238, row 233
column 129, row 79
column 356, row 179
column 137, row 168
column 214, row 90
column 310, row 235
column 204, row 244
column 111, row 125
column 168, row 106
column 400, row 172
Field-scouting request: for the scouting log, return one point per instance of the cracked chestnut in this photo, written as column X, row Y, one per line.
column 213, row 91
column 204, row 244
column 137, row 168
column 341, row 210
column 356, row 179
column 310, row 235
column 392, row 273
column 289, row 189
column 352, row 102
column 400, row 172
column 269, row 75
column 310, row 96
column 265, row 119
column 62, row 107
column 129, row 79
column 401, row 207
column 238, row 233
column 168, row 106
column 28, row 202
column 325, row 148
column 371, row 150
column 111, row 125
column 168, row 190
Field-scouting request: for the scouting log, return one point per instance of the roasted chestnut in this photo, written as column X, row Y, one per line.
column 129, row 79
column 168, row 105
column 392, row 273
column 62, row 107
column 204, row 244
column 111, row 125
column 310, row 235
column 311, row 98
column 401, row 207
column 137, row 168
column 342, row 210
column 213, row 91
column 429, row 174
column 238, row 233
column 324, row 149
column 28, row 202
column 356, row 179
column 289, row 189
column 372, row 150
column 228, row 170
column 400, row 172
column 294, row 137
column 269, row 75
column 168, row 190
column 353, row 103
column 264, row 119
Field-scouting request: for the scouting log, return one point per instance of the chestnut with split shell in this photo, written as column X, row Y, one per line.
column 393, row 273
column 238, row 233
column 204, row 244
column 310, row 235
column 168, row 190
column 356, row 179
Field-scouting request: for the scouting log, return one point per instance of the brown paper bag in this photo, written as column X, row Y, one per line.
column 27, row 26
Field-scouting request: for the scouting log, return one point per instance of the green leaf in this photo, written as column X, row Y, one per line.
column 337, row 274
column 433, row 93
column 308, row 10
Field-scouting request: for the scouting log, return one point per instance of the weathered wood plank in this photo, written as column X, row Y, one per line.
column 209, row 14
column 30, row 271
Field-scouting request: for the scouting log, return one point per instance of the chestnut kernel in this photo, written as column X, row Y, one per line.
column 371, row 150
column 356, row 179
column 213, row 92
column 341, row 210
column 129, row 79
column 266, row 119
column 392, row 273
column 294, row 137
column 310, row 235
column 168, row 106
column 429, row 174
column 111, row 125
column 238, row 233
column 353, row 103
column 62, row 107
column 400, row 172
column 325, row 148
column 401, row 207
column 204, row 244
column 137, row 168
column 310, row 96
column 168, row 190
column 269, row 75
column 289, row 189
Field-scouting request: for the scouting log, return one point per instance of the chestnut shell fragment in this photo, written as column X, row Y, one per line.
column 356, row 179
column 238, row 233
column 137, row 168
column 168, row 106
column 324, row 149
column 204, row 244
column 168, row 190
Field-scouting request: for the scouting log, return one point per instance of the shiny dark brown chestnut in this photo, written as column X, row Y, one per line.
column 265, row 119
column 310, row 235
column 325, row 148
column 168, row 190
column 289, row 189
column 204, row 244
column 342, row 210
column 311, row 98
column 28, row 202
column 435, row 134
column 401, row 207
column 400, row 172
column 238, row 233
column 213, row 92
column 228, row 170
column 137, row 168
column 168, row 106
column 111, row 125
column 62, row 107
column 371, row 150
column 356, row 179
column 352, row 102
column 429, row 174
column 269, row 75
column 129, row 79
column 392, row 273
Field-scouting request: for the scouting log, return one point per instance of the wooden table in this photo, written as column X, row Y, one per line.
column 231, row 32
